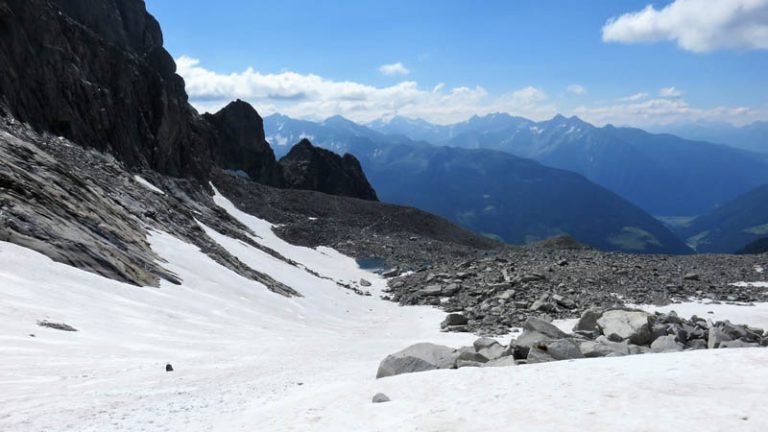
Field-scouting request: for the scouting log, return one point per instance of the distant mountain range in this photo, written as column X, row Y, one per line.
column 732, row 226
column 759, row 246
column 489, row 191
column 663, row 174
column 753, row 137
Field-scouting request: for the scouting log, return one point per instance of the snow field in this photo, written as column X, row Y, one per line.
column 247, row 359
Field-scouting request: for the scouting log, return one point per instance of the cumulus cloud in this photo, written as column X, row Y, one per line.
column 394, row 69
column 313, row 97
column 577, row 89
column 670, row 92
column 696, row 25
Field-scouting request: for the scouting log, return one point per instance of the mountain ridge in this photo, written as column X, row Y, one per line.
column 454, row 183
column 732, row 226
column 664, row 174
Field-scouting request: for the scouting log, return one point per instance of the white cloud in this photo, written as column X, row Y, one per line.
column 664, row 111
column 696, row 25
column 635, row 97
column 670, row 92
column 313, row 97
column 577, row 89
column 394, row 69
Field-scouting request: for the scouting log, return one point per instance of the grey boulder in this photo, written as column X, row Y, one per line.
column 563, row 349
column 606, row 347
column 453, row 319
column 380, row 398
column 535, row 330
column 538, row 355
column 417, row 358
column 626, row 325
column 489, row 348
column 469, row 354
column 666, row 344
column 554, row 350
column 501, row 362
column 431, row 290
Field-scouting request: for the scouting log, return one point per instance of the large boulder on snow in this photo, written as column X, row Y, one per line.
column 564, row 349
column 632, row 326
column 535, row 330
column 554, row 350
column 418, row 358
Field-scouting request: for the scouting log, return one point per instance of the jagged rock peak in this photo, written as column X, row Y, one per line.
column 239, row 143
column 313, row 168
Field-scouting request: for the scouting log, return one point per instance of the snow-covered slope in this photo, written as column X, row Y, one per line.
column 248, row 359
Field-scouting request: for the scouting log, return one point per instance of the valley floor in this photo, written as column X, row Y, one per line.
column 247, row 359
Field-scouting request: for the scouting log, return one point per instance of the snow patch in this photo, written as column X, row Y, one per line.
column 278, row 139
column 751, row 284
column 143, row 182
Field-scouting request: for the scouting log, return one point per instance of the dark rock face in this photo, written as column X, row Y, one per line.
column 82, row 208
column 97, row 73
column 312, row 168
column 239, row 144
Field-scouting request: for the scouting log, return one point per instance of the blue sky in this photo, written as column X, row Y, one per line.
column 528, row 57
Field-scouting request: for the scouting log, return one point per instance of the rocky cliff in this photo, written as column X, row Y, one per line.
column 239, row 144
column 97, row 73
column 312, row 168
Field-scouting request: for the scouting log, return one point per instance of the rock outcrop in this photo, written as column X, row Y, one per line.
column 312, row 168
column 239, row 144
column 97, row 74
